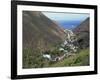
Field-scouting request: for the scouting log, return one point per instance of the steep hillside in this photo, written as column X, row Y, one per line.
column 40, row 34
column 39, row 31
column 82, row 32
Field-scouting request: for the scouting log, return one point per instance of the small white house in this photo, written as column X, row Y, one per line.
column 47, row 56
column 61, row 49
column 65, row 42
column 65, row 51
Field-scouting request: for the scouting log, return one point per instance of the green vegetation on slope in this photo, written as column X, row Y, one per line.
column 80, row 59
column 35, row 60
column 31, row 60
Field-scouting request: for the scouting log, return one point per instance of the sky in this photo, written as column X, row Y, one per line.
column 66, row 16
column 67, row 20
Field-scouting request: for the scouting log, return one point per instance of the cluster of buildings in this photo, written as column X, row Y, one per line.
column 68, row 47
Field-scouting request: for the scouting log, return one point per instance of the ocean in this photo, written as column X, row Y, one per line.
column 69, row 24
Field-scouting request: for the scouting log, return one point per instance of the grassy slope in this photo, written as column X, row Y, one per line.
column 80, row 59
column 36, row 61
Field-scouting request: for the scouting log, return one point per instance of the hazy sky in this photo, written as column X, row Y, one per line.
column 66, row 16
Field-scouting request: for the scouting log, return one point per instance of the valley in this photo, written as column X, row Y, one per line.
column 47, row 44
